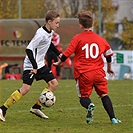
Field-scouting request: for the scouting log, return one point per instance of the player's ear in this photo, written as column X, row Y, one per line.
column 92, row 24
column 81, row 26
column 49, row 21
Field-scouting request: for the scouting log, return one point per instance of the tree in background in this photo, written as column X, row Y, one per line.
column 127, row 35
column 29, row 9
column 107, row 17
column 108, row 11
column 69, row 8
column 32, row 8
column 8, row 9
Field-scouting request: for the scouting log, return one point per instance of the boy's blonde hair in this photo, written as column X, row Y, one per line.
column 51, row 15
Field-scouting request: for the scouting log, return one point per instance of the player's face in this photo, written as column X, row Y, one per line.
column 55, row 24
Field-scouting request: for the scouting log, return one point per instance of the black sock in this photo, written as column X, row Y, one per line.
column 85, row 102
column 36, row 106
column 4, row 109
column 108, row 106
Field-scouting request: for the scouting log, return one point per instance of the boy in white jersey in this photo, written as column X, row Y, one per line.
column 34, row 66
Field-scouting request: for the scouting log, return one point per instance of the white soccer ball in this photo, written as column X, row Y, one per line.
column 47, row 98
column 127, row 76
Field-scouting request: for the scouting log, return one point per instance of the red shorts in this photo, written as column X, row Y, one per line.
column 92, row 79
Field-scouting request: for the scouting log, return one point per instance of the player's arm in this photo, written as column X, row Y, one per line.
column 32, row 60
column 109, row 68
column 108, row 55
column 52, row 47
column 69, row 50
column 62, row 59
column 29, row 51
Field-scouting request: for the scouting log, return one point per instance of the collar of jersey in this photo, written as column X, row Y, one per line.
column 88, row 30
column 46, row 29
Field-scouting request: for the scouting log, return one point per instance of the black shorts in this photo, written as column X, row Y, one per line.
column 43, row 73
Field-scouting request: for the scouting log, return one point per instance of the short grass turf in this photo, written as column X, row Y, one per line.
column 67, row 115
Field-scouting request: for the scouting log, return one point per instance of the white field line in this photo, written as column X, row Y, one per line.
column 75, row 108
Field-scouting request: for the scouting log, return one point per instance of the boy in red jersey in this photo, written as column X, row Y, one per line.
column 89, row 49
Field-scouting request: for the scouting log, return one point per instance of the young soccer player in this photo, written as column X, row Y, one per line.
column 89, row 48
column 34, row 67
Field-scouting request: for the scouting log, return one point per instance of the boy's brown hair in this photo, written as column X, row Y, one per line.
column 85, row 18
column 51, row 15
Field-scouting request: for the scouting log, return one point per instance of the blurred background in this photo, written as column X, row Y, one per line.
column 19, row 19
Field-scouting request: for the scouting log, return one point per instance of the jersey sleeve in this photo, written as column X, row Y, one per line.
column 52, row 47
column 108, row 51
column 72, row 47
column 31, row 58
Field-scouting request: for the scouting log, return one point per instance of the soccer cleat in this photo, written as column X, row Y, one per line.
column 2, row 118
column 90, row 113
column 115, row 121
column 38, row 112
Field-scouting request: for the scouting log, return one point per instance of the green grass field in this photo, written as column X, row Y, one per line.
column 67, row 115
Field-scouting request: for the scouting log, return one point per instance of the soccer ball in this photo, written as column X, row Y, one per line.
column 47, row 98
column 127, row 76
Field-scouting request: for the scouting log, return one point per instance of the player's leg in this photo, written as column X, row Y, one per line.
column 84, row 88
column 16, row 95
column 102, row 90
column 37, row 107
column 52, row 83
column 107, row 104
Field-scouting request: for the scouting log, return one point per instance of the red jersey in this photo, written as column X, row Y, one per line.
column 89, row 49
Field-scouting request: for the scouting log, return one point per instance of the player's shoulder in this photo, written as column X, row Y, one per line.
column 43, row 33
column 77, row 36
column 40, row 30
column 101, row 38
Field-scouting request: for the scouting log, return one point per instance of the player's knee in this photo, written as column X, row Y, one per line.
column 103, row 95
column 56, row 84
column 23, row 90
column 53, row 85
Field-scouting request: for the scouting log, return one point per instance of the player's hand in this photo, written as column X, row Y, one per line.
column 34, row 71
column 60, row 55
column 111, row 72
column 56, row 63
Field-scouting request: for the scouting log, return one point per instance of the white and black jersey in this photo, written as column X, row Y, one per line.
column 38, row 47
